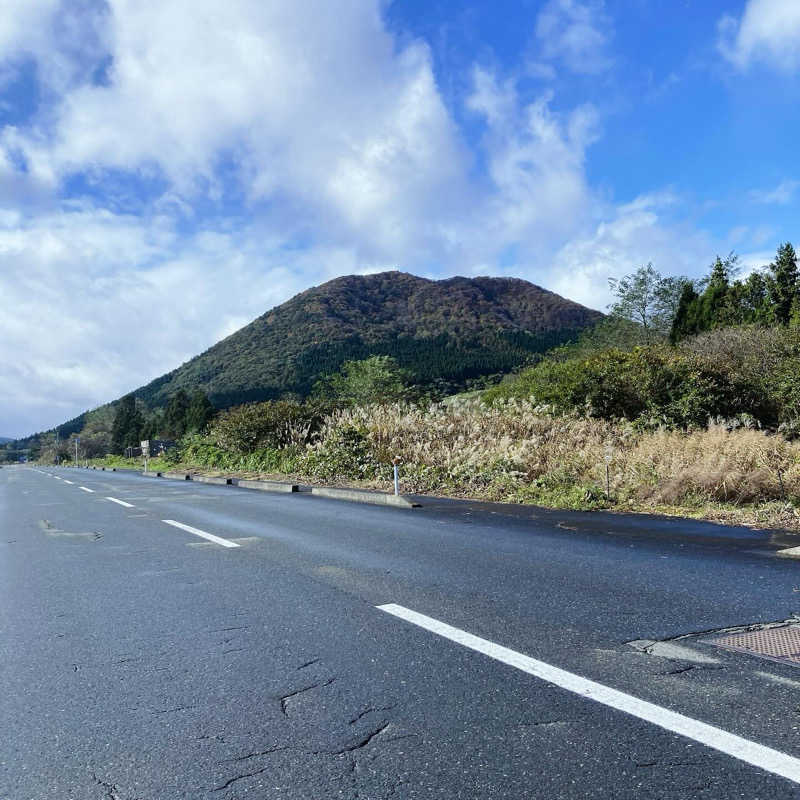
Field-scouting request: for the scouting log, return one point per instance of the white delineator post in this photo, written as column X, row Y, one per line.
column 396, row 468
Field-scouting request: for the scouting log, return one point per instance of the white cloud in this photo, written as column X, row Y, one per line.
column 66, row 39
column 22, row 27
column 312, row 104
column 768, row 31
column 756, row 260
column 576, row 34
column 635, row 234
column 782, row 194
column 340, row 156
column 535, row 162
column 98, row 304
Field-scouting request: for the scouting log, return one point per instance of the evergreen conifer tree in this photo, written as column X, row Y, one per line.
column 685, row 322
column 175, row 414
column 713, row 310
column 784, row 283
column 754, row 300
column 127, row 426
column 199, row 413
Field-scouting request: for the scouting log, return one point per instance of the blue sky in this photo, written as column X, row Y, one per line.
column 170, row 169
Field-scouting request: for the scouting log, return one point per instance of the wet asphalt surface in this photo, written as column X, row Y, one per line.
column 141, row 662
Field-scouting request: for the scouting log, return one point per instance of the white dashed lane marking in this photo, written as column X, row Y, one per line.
column 197, row 532
column 120, row 502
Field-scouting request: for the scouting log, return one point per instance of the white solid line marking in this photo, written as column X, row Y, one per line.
column 86, row 490
column 71, row 483
column 756, row 754
column 198, row 532
column 120, row 502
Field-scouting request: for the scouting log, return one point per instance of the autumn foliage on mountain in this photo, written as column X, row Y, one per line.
column 444, row 332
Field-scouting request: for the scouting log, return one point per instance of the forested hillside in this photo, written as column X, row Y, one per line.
column 445, row 331
column 443, row 336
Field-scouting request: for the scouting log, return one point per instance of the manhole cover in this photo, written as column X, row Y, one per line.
column 778, row 644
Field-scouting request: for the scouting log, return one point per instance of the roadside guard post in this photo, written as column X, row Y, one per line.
column 396, row 467
column 145, row 452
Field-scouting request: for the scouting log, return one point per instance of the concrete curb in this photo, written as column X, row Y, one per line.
column 350, row 495
column 208, row 479
column 268, row 486
column 364, row 496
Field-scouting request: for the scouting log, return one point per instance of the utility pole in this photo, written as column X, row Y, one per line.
column 77, row 439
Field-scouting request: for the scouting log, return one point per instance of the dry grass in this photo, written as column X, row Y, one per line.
column 520, row 452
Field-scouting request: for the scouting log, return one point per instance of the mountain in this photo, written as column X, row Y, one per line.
column 5, row 439
column 448, row 330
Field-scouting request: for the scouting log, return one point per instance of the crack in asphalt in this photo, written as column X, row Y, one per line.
column 112, row 790
column 266, row 752
column 681, row 670
column 349, row 750
column 544, row 723
column 235, row 778
column 233, row 628
column 170, row 710
column 287, row 697
column 369, row 711
column 363, row 741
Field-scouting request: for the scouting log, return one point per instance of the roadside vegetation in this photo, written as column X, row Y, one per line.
column 684, row 400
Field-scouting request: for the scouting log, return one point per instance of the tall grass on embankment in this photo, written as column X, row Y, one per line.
column 515, row 451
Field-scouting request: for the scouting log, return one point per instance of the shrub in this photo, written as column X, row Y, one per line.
column 343, row 452
column 274, row 424
column 657, row 385
column 765, row 362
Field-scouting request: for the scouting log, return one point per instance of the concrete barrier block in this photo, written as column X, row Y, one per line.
column 267, row 486
column 208, row 479
column 178, row 476
column 364, row 496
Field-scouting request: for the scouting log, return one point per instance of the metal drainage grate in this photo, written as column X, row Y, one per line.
column 780, row 643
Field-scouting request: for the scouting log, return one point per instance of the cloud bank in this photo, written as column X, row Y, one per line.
column 179, row 168
column 768, row 31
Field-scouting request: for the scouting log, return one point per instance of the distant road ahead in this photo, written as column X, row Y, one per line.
column 160, row 639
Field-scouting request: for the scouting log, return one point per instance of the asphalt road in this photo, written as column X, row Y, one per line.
column 142, row 661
